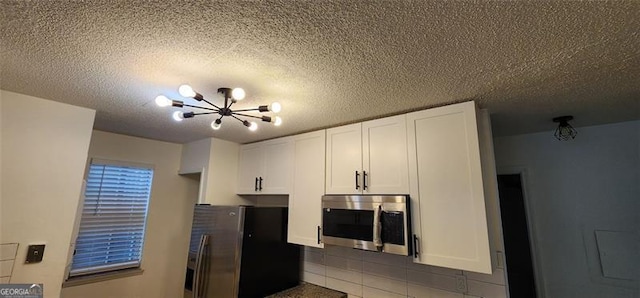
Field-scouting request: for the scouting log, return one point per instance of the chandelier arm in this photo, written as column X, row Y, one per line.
column 207, row 113
column 246, row 110
column 210, row 109
column 234, row 117
column 217, row 107
column 245, row 115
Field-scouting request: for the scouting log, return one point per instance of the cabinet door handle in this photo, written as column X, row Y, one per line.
column 357, row 176
column 364, row 180
column 260, row 188
column 256, row 184
column 415, row 246
column 318, row 234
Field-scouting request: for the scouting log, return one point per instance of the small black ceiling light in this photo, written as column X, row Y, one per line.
column 565, row 131
column 231, row 96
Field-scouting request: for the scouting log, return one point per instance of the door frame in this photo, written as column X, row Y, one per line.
column 525, row 175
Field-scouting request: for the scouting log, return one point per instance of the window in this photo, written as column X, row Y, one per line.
column 114, row 213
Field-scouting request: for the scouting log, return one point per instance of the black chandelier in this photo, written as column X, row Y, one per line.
column 231, row 96
column 565, row 131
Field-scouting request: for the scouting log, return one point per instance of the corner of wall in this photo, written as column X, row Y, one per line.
column 492, row 202
column 49, row 145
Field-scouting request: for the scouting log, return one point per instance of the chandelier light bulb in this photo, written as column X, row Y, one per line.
column 253, row 126
column 277, row 121
column 216, row 124
column 177, row 115
column 163, row 101
column 238, row 93
column 275, row 107
column 186, row 91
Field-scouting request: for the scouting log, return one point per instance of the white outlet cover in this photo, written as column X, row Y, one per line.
column 461, row 283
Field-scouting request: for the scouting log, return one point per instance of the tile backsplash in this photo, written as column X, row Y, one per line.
column 370, row 275
column 7, row 258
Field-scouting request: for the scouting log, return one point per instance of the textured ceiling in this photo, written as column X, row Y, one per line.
column 328, row 62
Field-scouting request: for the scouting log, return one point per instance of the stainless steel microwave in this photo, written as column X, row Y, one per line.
column 377, row 223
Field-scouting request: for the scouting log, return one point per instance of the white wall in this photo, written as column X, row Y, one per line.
column 44, row 149
column 195, row 156
column 166, row 242
column 576, row 187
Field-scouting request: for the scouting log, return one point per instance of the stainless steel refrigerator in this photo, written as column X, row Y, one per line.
column 240, row 251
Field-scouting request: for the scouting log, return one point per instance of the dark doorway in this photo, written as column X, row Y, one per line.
column 516, row 237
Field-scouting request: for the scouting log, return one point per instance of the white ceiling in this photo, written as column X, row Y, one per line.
column 328, row 62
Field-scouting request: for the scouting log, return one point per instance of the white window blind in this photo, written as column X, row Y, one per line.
column 113, row 219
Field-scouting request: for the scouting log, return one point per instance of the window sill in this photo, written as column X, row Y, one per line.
column 98, row 277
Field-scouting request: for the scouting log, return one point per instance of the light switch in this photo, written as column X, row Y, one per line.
column 35, row 253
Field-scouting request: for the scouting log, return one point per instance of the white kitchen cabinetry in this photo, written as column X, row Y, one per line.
column 250, row 169
column 447, row 188
column 305, row 204
column 368, row 158
column 265, row 167
column 344, row 159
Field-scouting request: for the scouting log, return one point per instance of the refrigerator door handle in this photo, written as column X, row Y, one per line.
column 197, row 279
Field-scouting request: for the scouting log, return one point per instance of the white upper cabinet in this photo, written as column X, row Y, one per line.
column 368, row 158
column 265, row 167
column 344, row 160
column 250, row 169
column 305, row 201
column 385, row 162
column 278, row 156
column 447, row 191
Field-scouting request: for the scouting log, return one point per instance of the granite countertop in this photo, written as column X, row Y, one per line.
column 308, row 290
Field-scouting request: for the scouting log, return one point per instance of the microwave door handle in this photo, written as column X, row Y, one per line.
column 377, row 228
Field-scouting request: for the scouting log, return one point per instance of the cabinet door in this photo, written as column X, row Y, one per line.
column 251, row 165
column 447, row 188
column 278, row 155
column 305, row 201
column 344, row 160
column 385, row 163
